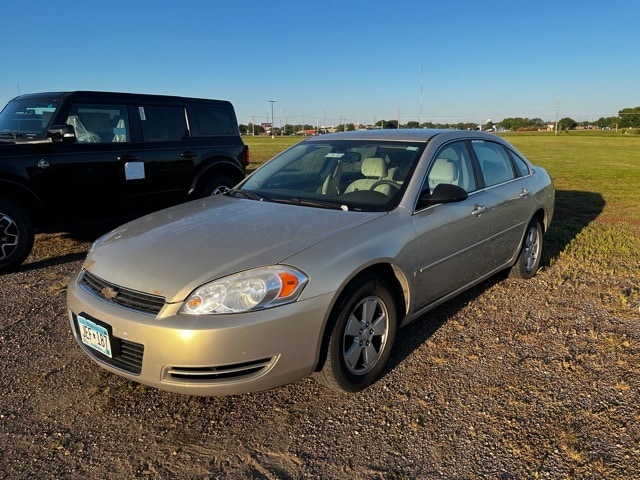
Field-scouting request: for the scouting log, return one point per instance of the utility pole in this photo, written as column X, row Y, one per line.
column 272, row 119
column 421, row 79
column 557, row 113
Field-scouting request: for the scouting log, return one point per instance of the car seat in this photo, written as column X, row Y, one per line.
column 374, row 169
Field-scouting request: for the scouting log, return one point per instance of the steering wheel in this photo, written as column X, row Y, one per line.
column 385, row 182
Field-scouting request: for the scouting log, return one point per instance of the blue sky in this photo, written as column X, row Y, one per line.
column 326, row 61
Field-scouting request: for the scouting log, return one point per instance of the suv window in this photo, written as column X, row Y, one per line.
column 208, row 121
column 96, row 123
column 162, row 124
column 494, row 162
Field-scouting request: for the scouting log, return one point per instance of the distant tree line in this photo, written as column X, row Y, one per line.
column 627, row 118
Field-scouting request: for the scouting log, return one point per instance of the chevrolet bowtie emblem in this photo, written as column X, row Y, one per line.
column 109, row 293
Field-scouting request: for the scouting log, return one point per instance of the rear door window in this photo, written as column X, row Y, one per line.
column 494, row 162
column 163, row 123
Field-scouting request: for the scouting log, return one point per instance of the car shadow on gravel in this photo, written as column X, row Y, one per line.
column 574, row 210
column 50, row 262
column 411, row 337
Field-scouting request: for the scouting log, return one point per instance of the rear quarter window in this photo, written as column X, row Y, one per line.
column 521, row 165
column 207, row 121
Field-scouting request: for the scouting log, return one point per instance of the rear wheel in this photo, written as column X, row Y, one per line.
column 216, row 185
column 364, row 325
column 16, row 235
column 530, row 254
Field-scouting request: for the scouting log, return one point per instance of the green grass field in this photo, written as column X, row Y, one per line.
column 597, row 219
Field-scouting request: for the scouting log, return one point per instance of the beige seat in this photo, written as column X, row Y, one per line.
column 443, row 171
column 98, row 123
column 120, row 132
column 82, row 134
column 374, row 169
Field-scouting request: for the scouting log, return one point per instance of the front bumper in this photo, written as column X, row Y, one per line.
column 206, row 355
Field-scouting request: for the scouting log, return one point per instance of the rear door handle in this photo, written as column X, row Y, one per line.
column 478, row 209
column 127, row 158
column 188, row 154
column 524, row 193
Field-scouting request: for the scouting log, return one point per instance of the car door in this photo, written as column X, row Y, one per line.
column 451, row 237
column 169, row 158
column 508, row 200
column 87, row 177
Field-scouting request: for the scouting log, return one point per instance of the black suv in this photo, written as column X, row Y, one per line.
column 69, row 158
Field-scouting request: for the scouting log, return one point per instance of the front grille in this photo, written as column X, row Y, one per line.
column 126, row 355
column 220, row 372
column 125, row 297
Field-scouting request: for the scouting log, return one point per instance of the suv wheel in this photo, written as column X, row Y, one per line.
column 16, row 235
column 216, row 185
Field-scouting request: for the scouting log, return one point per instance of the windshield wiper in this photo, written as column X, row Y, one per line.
column 248, row 194
column 309, row 202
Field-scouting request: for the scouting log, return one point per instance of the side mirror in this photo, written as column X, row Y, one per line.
column 443, row 193
column 62, row 133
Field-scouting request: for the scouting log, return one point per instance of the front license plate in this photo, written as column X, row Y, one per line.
column 94, row 336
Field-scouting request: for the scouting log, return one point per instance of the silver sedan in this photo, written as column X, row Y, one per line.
column 311, row 264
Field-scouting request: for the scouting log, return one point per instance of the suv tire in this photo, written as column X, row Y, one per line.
column 215, row 185
column 16, row 235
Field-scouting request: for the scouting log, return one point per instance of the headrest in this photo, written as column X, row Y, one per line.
column 374, row 167
column 443, row 170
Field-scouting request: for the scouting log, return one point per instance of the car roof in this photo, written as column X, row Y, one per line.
column 403, row 134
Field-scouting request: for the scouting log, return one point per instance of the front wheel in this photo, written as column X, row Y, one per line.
column 364, row 325
column 16, row 235
column 530, row 255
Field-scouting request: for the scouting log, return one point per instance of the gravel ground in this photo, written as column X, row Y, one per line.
column 512, row 380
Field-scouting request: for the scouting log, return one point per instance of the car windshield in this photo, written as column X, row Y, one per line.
column 27, row 118
column 341, row 174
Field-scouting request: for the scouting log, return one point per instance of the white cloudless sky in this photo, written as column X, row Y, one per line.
column 330, row 61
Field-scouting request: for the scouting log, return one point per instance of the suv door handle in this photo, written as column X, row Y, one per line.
column 478, row 209
column 127, row 158
column 188, row 154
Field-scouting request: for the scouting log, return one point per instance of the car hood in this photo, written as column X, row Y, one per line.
column 171, row 252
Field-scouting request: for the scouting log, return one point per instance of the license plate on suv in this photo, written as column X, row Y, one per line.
column 94, row 336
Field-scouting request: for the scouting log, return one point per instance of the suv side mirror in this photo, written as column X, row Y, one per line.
column 443, row 193
column 62, row 133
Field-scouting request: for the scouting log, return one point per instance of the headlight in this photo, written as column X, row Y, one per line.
column 256, row 289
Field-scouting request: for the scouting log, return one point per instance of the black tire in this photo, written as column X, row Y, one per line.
column 363, row 326
column 215, row 185
column 16, row 235
column 530, row 254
